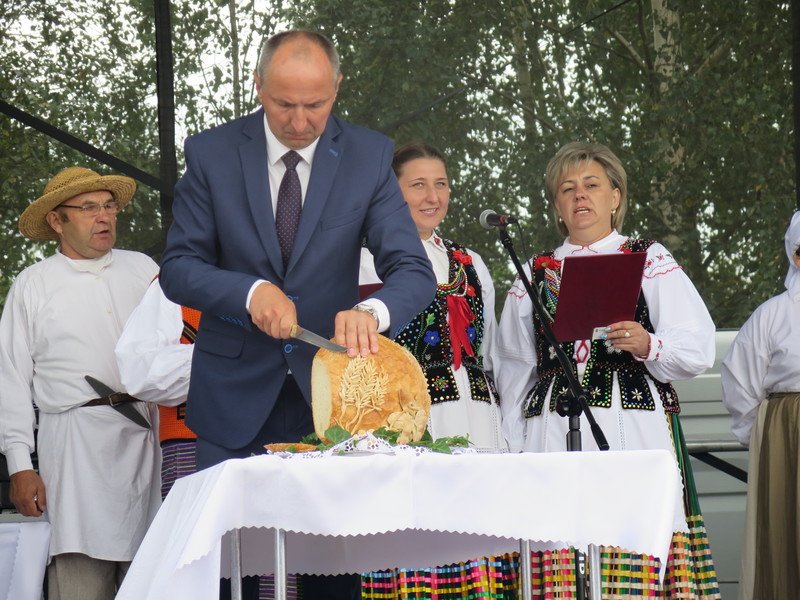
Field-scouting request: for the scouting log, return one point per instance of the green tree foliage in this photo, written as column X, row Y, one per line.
column 689, row 95
column 216, row 49
column 87, row 68
column 693, row 96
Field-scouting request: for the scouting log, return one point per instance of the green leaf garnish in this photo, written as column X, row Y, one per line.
column 388, row 435
column 311, row 438
column 337, row 434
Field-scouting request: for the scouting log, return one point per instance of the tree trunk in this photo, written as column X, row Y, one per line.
column 675, row 223
column 236, row 76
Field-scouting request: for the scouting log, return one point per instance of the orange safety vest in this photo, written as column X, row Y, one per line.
column 172, row 427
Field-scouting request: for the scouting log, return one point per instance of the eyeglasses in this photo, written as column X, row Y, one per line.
column 93, row 208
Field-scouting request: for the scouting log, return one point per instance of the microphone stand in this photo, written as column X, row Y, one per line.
column 570, row 404
column 574, row 401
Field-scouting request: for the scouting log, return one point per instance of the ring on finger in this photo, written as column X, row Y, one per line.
column 627, row 333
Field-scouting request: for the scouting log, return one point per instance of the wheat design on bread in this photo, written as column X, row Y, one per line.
column 361, row 394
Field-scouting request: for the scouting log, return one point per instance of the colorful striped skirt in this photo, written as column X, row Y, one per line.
column 689, row 573
column 490, row 577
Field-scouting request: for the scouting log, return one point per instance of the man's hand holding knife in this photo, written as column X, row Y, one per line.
column 275, row 314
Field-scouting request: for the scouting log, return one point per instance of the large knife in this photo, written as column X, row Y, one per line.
column 309, row 337
column 126, row 409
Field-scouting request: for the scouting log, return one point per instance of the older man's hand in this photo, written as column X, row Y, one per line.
column 28, row 493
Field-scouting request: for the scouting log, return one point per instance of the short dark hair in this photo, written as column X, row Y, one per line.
column 412, row 151
column 273, row 43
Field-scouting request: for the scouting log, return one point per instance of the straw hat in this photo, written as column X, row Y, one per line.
column 65, row 185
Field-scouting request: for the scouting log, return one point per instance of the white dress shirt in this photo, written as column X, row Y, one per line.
column 275, row 152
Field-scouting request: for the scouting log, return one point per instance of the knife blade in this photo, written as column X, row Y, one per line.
column 126, row 409
column 309, row 337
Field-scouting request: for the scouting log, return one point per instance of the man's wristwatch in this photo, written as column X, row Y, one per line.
column 368, row 309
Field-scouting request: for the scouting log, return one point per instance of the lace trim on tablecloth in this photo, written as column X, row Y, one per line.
column 366, row 443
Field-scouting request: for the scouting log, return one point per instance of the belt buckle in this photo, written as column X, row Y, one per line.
column 116, row 398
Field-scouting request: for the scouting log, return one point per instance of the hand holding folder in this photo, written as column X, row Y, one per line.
column 596, row 291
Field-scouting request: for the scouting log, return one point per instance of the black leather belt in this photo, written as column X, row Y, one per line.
column 119, row 401
column 111, row 400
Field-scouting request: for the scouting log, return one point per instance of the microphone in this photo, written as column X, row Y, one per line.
column 489, row 219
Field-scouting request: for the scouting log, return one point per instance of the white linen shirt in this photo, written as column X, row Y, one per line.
column 765, row 356
column 681, row 347
column 101, row 471
column 153, row 364
column 480, row 420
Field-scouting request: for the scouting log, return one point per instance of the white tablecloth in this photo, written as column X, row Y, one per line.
column 360, row 513
column 23, row 558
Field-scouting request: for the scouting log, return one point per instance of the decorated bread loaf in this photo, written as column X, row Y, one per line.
column 387, row 389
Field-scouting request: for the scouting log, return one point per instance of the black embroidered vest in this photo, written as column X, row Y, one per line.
column 603, row 363
column 427, row 336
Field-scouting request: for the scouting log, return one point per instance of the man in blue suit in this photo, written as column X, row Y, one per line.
column 250, row 383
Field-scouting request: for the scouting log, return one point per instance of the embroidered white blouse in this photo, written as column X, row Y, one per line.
column 481, row 420
column 681, row 347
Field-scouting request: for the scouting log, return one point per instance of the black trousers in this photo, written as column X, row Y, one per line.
column 289, row 421
column 330, row 587
column 311, row 587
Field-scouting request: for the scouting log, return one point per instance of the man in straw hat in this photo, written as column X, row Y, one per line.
column 99, row 464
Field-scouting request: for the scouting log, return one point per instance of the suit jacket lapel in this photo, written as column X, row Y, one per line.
column 253, row 154
column 323, row 172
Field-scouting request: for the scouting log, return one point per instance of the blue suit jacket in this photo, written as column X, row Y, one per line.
column 223, row 239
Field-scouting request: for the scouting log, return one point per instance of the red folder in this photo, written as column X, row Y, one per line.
column 596, row 291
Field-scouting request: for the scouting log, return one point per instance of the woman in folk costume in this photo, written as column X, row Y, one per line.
column 452, row 340
column 761, row 389
column 626, row 374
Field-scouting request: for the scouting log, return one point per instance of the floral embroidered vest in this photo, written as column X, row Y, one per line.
column 428, row 335
column 603, row 363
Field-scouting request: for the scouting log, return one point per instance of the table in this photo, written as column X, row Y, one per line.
column 24, row 545
column 360, row 513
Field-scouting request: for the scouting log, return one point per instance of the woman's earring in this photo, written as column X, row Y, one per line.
column 613, row 212
column 560, row 220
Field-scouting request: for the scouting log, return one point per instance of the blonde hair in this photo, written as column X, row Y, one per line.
column 573, row 154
